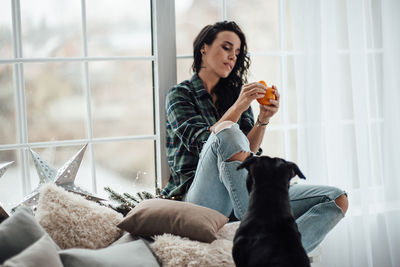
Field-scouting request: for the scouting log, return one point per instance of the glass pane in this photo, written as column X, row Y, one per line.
column 266, row 68
column 343, row 92
column 272, row 144
column 289, row 28
column 122, row 95
column 291, row 90
column 293, row 146
column 373, row 23
column 8, row 113
column 342, row 25
column 259, row 21
column 51, row 28
column 57, row 156
column 56, row 107
column 125, row 166
column 10, row 182
column 376, row 154
column 191, row 17
column 5, row 30
column 184, row 69
column 341, row 151
column 375, row 85
column 118, row 28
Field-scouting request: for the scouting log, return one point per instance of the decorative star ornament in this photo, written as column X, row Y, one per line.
column 3, row 168
column 64, row 177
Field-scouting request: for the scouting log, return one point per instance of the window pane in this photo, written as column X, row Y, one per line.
column 259, row 20
column 51, row 28
column 5, row 30
column 293, row 146
column 373, row 23
column 342, row 25
column 343, row 95
column 375, row 85
column 118, row 28
column 122, row 96
column 266, row 68
column 339, row 94
column 184, row 69
column 191, row 17
column 291, row 90
column 125, row 166
column 272, row 144
column 10, row 182
column 7, row 106
column 56, row 107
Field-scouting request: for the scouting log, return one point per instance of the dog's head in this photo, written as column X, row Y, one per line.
column 265, row 170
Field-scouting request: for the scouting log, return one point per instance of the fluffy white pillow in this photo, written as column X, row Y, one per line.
column 72, row 221
column 228, row 231
column 174, row 250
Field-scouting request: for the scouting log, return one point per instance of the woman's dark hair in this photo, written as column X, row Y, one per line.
column 228, row 89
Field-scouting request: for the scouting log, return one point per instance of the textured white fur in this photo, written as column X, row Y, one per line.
column 174, row 250
column 72, row 221
column 228, row 231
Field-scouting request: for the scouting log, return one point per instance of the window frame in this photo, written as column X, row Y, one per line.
column 163, row 77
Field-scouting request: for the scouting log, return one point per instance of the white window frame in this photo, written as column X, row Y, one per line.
column 164, row 76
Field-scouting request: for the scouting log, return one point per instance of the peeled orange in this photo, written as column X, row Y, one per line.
column 269, row 94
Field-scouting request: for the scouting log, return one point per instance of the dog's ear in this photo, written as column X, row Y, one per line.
column 247, row 162
column 295, row 170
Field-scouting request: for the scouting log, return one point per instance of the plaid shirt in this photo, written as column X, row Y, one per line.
column 190, row 114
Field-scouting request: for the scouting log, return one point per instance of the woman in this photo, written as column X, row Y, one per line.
column 211, row 130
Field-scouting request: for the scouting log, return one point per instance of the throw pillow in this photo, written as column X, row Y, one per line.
column 159, row 216
column 18, row 232
column 42, row 253
column 174, row 250
column 132, row 254
column 72, row 221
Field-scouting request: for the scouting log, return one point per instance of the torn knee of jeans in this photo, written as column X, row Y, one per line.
column 223, row 125
column 240, row 156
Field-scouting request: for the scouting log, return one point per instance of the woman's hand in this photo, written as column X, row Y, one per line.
column 249, row 93
column 267, row 111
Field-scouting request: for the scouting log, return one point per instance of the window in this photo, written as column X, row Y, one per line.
column 89, row 74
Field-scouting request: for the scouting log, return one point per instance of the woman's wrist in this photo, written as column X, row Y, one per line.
column 262, row 121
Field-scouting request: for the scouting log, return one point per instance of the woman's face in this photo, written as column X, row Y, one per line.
column 219, row 58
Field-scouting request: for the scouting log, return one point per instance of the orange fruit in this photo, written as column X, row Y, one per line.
column 269, row 94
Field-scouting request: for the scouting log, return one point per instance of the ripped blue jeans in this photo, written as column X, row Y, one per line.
column 219, row 186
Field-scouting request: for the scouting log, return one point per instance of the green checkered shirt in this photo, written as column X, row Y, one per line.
column 190, row 113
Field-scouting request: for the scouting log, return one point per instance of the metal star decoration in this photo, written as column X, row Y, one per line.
column 3, row 168
column 64, row 177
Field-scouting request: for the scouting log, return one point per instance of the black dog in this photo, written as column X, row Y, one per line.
column 268, row 234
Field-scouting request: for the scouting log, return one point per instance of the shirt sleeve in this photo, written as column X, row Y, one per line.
column 185, row 119
column 247, row 121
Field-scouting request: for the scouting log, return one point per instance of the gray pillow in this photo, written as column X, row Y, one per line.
column 18, row 232
column 42, row 253
column 135, row 253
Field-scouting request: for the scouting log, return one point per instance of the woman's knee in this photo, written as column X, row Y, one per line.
column 223, row 125
column 342, row 202
column 232, row 143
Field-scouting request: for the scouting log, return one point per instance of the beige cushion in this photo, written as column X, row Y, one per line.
column 42, row 253
column 72, row 221
column 159, row 216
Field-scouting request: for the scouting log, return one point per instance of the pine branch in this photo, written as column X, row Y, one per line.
column 131, row 197
column 139, row 194
column 147, row 195
column 118, row 197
